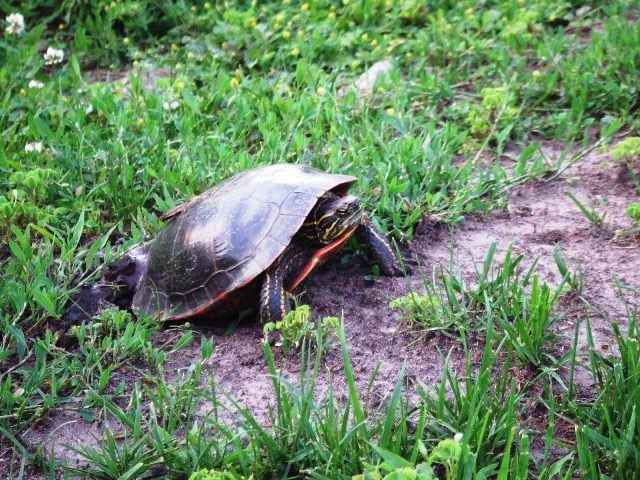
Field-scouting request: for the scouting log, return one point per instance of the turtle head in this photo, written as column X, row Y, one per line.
column 332, row 217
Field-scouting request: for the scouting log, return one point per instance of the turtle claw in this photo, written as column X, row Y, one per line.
column 273, row 338
column 396, row 269
column 409, row 265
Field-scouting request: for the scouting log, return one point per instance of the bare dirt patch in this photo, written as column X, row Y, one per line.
column 540, row 218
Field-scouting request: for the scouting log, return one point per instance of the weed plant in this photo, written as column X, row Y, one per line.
column 607, row 434
column 519, row 303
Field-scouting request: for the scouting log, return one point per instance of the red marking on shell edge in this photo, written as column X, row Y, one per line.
column 198, row 311
column 204, row 308
column 321, row 256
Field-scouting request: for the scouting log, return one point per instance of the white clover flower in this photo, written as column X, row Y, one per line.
column 33, row 147
column 53, row 56
column 36, row 84
column 88, row 108
column 171, row 105
column 16, row 24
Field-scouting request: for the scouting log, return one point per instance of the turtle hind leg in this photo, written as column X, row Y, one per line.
column 380, row 248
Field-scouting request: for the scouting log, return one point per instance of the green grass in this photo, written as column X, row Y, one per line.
column 520, row 304
column 246, row 84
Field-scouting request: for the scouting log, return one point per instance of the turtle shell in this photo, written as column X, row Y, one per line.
column 213, row 247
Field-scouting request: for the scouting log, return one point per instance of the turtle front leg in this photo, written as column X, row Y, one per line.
column 281, row 277
column 380, row 248
column 273, row 300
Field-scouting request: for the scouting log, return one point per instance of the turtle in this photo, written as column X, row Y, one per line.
column 251, row 239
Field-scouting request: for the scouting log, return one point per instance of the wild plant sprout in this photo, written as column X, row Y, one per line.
column 627, row 150
column 297, row 326
column 633, row 212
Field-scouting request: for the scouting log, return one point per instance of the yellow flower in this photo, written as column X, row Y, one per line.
column 61, row 26
column 235, row 83
column 207, row 6
column 174, row 47
column 190, row 55
column 536, row 74
column 388, row 4
column 304, row 7
column 331, row 16
column 251, row 23
column 194, row 9
column 364, row 37
column 321, row 91
column 279, row 18
column 295, row 52
column 179, row 84
column 136, row 64
column 125, row 40
column 390, row 111
column 140, row 122
column 286, row 34
column 374, row 43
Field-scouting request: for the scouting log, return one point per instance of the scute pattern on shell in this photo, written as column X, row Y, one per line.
column 224, row 238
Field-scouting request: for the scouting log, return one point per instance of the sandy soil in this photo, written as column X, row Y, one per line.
column 539, row 219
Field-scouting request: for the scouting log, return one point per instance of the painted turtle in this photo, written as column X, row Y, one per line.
column 255, row 236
